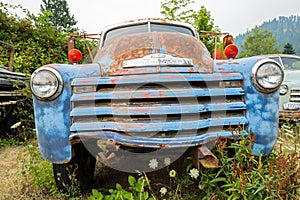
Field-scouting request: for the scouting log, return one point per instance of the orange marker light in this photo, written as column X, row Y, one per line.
column 231, row 51
column 74, row 55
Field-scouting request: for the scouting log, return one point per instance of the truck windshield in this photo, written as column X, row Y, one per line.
column 291, row 63
column 141, row 28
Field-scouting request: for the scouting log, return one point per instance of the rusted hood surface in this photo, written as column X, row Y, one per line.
column 112, row 55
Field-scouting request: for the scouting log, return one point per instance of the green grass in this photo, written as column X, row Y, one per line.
column 241, row 175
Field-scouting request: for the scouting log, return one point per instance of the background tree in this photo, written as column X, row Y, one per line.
column 177, row 10
column 203, row 22
column 284, row 28
column 259, row 42
column 288, row 49
column 60, row 14
column 37, row 42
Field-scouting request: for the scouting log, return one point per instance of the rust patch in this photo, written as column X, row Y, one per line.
column 289, row 115
column 221, row 63
column 113, row 54
column 162, row 145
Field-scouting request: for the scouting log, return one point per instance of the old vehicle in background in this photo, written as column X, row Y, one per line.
column 10, row 84
column 152, row 91
column 290, row 89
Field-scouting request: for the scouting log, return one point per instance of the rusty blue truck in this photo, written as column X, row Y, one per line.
column 151, row 90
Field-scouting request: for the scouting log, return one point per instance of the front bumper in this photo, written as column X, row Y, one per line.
column 289, row 115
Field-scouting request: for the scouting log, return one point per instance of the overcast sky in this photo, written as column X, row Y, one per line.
column 233, row 16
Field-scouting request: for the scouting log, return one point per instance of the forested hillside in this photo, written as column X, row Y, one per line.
column 286, row 29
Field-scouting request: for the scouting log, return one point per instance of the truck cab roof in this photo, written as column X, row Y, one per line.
column 145, row 25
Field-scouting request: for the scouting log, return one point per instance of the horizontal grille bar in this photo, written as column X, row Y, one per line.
column 173, row 93
column 131, row 128
column 156, row 109
column 152, row 142
column 158, row 78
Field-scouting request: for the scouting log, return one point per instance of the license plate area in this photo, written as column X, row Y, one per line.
column 291, row 106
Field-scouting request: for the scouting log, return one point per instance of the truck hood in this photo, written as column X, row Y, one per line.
column 291, row 78
column 154, row 53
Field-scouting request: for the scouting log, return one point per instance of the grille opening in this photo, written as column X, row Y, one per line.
column 164, row 101
column 169, row 85
column 137, row 87
column 105, row 87
column 217, row 129
column 150, row 102
column 231, row 84
column 157, row 102
column 295, row 95
column 7, row 88
column 159, row 118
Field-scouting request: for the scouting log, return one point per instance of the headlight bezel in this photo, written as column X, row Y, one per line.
column 255, row 78
column 284, row 89
column 58, row 87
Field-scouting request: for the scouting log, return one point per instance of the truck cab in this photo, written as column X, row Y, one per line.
column 152, row 91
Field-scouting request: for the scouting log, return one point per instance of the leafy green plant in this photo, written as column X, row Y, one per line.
column 73, row 190
column 39, row 178
column 136, row 191
column 9, row 142
column 37, row 172
column 242, row 175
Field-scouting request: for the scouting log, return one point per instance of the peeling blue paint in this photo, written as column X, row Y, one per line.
column 52, row 119
column 262, row 109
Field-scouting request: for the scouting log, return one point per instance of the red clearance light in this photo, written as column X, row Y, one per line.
column 74, row 55
column 231, row 51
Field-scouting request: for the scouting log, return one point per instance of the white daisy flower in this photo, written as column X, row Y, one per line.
column 163, row 191
column 153, row 163
column 16, row 125
column 167, row 161
column 194, row 173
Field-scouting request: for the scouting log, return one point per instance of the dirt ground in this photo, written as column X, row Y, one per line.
column 11, row 172
column 12, row 181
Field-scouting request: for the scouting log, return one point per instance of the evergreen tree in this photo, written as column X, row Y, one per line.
column 259, row 42
column 288, row 49
column 60, row 14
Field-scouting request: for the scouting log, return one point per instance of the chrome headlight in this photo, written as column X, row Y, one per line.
column 46, row 83
column 283, row 89
column 267, row 75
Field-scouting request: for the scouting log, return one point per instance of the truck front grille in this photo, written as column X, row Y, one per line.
column 295, row 95
column 153, row 106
